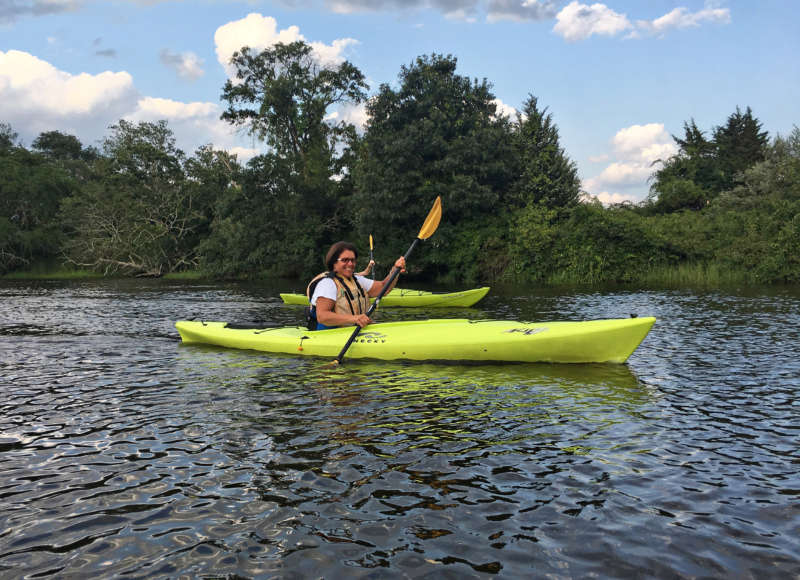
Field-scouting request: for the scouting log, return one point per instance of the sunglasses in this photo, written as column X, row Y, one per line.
column 347, row 260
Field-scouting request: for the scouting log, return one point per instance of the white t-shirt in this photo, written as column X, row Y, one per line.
column 327, row 288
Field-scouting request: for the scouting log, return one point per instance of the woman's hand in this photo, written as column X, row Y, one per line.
column 400, row 264
column 361, row 320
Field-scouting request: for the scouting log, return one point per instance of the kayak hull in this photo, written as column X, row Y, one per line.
column 414, row 298
column 455, row 340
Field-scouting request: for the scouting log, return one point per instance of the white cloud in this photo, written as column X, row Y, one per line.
column 158, row 108
column 633, row 141
column 187, row 65
column 39, row 85
column 37, row 97
column 260, row 32
column 681, row 18
column 333, row 54
column 608, row 198
column 353, row 114
column 255, row 31
column 635, row 148
column 244, row 154
column 194, row 124
column 620, row 173
column 504, row 110
column 578, row 21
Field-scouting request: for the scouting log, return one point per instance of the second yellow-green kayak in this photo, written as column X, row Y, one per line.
column 414, row 298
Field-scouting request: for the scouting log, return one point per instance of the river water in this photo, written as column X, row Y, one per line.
column 124, row 453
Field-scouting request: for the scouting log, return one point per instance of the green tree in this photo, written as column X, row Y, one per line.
column 282, row 96
column 257, row 226
column 7, row 136
column 58, row 145
column 702, row 168
column 67, row 152
column 544, row 172
column 436, row 134
column 688, row 179
column 137, row 215
column 759, row 219
column 698, row 161
column 210, row 175
column 31, row 189
column 587, row 244
column 290, row 201
column 740, row 144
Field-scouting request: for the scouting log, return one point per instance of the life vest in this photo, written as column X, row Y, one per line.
column 350, row 297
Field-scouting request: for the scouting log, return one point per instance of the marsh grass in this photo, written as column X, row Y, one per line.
column 696, row 274
column 688, row 274
column 49, row 271
column 187, row 275
column 50, row 274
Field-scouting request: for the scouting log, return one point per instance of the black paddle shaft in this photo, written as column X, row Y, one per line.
column 392, row 276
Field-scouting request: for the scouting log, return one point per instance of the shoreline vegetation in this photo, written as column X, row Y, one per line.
column 724, row 209
column 680, row 275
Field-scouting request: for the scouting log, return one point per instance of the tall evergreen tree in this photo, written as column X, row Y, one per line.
column 544, row 172
column 688, row 179
column 703, row 168
column 740, row 143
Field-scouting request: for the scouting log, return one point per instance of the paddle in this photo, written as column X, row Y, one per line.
column 371, row 274
column 427, row 230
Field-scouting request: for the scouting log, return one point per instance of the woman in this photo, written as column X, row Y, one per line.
column 340, row 296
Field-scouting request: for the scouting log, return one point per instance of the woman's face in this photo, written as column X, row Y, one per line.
column 345, row 265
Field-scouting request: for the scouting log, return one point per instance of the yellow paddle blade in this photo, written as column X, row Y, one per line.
column 370, row 241
column 432, row 221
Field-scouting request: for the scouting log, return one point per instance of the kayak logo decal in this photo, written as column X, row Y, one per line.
column 371, row 337
column 529, row 331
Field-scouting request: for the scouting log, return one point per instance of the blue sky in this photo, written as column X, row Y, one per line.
column 619, row 77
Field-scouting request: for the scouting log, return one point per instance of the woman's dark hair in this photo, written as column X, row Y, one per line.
column 336, row 251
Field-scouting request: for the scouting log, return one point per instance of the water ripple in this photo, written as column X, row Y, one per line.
column 123, row 453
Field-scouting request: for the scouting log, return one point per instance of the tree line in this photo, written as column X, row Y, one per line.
column 728, row 202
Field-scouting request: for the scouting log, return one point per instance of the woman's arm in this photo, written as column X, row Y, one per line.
column 365, row 272
column 378, row 285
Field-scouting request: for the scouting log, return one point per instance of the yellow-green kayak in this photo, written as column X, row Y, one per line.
column 413, row 298
column 595, row 341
